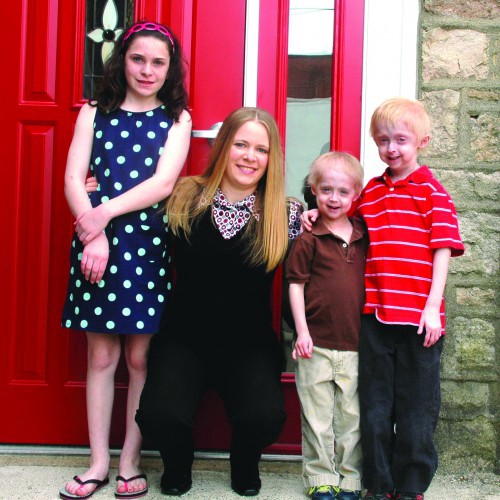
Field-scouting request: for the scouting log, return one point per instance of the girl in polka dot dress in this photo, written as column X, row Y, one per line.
column 135, row 137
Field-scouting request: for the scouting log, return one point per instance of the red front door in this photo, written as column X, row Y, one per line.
column 42, row 366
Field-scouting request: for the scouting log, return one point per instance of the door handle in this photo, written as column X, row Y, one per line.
column 209, row 134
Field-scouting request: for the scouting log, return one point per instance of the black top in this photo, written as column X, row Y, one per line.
column 219, row 298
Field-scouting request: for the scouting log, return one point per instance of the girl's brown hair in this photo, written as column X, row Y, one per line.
column 112, row 88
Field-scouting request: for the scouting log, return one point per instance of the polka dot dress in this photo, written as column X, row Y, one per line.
column 130, row 297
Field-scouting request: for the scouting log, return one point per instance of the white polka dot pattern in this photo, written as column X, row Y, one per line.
column 131, row 296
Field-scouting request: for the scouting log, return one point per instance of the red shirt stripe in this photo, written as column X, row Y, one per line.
column 406, row 222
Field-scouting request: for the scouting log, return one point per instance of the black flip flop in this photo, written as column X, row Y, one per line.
column 65, row 495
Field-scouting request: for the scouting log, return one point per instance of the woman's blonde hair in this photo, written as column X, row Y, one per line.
column 192, row 196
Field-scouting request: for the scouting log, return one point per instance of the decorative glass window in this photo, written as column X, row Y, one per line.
column 105, row 22
column 309, row 99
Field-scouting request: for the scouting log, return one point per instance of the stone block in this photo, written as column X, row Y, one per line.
column 457, row 440
column 443, row 108
column 480, row 234
column 464, row 400
column 495, row 55
column 484, row 95
column 467, row 9
column 457, row 53
column 484, row 137
column 470, row 189
column 469, row 352
column 476, row 296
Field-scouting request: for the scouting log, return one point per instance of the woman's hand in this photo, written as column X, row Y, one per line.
column 308, row 217
column 91, row 223
column 95, row 258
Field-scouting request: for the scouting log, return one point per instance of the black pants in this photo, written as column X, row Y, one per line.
column 248, row 381
column 399, row 392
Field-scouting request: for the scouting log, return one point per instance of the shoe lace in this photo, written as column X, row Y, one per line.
column 325, row 488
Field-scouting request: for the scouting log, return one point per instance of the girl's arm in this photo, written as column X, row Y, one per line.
column 430, row 319
column 77, row 164
column 147, row 193
column 95, row 255
column 303, row 345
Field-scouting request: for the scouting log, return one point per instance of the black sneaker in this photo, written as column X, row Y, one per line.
column 405, row 495
column 370, row 495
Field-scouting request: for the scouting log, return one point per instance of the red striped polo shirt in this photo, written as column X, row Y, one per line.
column 406, row 222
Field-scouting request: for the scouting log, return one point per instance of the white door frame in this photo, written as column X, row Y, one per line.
column 389, row 65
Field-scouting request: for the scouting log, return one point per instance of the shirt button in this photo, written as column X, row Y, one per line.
column 344, row 245
column 391, row 189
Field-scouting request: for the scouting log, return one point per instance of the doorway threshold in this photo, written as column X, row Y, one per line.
column 50, row 450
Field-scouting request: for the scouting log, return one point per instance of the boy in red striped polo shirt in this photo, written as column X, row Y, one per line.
column 413, row 230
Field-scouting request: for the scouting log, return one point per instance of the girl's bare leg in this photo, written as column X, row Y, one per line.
column 136, row 351
column 103, row 356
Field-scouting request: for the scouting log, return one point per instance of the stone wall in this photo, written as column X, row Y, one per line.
column 459, row 82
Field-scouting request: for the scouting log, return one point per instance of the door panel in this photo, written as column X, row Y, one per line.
column 216, row 69
column 42, row 366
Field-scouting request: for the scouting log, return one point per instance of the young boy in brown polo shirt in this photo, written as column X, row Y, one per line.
column 325, row 270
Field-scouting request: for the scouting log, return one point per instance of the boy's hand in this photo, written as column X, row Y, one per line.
column 431, row 322
column 308, row 217
column 303, row 347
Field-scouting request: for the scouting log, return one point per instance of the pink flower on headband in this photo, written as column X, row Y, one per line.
column 150, row 27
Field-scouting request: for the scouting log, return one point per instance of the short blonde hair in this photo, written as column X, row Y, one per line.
column 340, row 161
column 410, row 112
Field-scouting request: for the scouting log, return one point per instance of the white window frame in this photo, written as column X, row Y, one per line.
column 389, row 65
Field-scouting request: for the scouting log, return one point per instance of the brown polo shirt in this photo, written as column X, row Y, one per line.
column 333, row 273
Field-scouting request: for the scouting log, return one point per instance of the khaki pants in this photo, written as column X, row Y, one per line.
column 327, row 385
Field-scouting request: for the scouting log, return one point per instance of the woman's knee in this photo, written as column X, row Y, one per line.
column 264, row 418
column 156, row 420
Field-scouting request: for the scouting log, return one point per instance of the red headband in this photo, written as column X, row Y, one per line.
column 150, row 27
